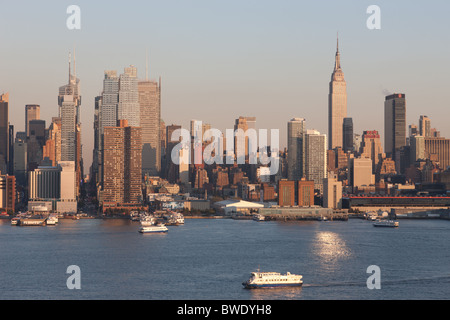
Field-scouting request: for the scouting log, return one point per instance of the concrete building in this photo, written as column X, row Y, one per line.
column 371, row 147
column 360, row 173
column 32, row 112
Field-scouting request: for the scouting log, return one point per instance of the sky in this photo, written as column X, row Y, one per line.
column 219, row 59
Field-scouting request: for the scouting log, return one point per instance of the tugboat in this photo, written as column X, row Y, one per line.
column 272, row 280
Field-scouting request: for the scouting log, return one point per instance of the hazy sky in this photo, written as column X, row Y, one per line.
column 223, row 59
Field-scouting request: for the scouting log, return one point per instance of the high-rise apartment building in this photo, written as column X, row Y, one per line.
column 122, row 174
column 316, row 158
column 150, row 122
column 296, row 148
column 395, row 126
column 337, row 104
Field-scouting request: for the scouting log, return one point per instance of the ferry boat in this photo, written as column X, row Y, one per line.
column 52, row 220
column 386, row 224
column 272, row 280
column 15, row 221
column 258, row 217
column 160, row 228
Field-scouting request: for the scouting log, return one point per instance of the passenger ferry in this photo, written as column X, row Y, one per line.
column 15, row 221
column 386, row 224
column 160, row 228
column 272, row 280
column 52, row 220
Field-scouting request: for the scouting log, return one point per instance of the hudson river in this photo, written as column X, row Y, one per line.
column 208, row 259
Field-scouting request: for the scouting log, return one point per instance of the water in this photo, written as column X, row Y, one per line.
column 208, row 259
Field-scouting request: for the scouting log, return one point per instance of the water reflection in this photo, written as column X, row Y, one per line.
column 330, row 248
column 293, row 293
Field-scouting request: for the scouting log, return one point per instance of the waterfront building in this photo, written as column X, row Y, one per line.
column 305, row 193
column 286, row 193
column 7, row 193
column 337, row 104
column 332, row 192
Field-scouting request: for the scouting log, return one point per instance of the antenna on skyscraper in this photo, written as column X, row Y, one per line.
column 74, row 64
column 70, row 60
column 146, row 64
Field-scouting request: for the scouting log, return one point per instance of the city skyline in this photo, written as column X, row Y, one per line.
column 197, row 82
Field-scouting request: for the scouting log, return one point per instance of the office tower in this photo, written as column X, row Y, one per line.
column 201, row 178
column 417, row 148
column 69, row 101
column 150, row 122
column 337, row 104
column 360, row 173
column 413, row 130
column 305, row 193
column 122, row 174
column 20, row 161
column 286, row 193
column 96, row 162
column 68, row 187
column 32, row 112
column 394, row 126
column 11, row 150
column 332, row 192
column 357, row 140
column 371, row 147
column 296, row 149
column 109, row 101
column 424, row 126
column 347, row 144
column 183, row 167
column 52, row 147
column 128, row 105
column 7, row 193
column 35, row 142
column 315, row 158
column 4, row 132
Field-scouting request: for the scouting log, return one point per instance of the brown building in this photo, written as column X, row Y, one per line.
column 286, row 193
column 7, row 193
column 440, row 148
column 268, row 192
column 122, row 180
column 305, row 193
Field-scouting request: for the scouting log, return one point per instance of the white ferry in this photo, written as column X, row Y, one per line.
column 147, row 221
column 258, row 217
column 15, row 221
column 272, row 280
column 52, row 220
column 386, row 224
column 160, row 228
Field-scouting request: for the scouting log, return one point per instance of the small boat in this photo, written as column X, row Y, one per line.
column 258, row 217
column 272, row 280
column 52, row 220
column 160, row 228
column 386, row 224
column 15, row 221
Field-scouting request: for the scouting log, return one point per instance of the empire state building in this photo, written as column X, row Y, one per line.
column 337, row 104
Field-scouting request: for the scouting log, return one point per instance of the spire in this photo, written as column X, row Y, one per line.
column 337, row 65
column 70, row 71
column 74, row 65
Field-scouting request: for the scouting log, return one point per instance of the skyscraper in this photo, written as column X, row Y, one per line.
column 296, row 149
column 4, row 132
column 122, row 174
column 150, row 119
column 425, row 126
column 348, row 135
column 32, row 112
column 315, row 158
column 128, row 105
column 337, row 104
column 394, row 126
column 69, row 101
